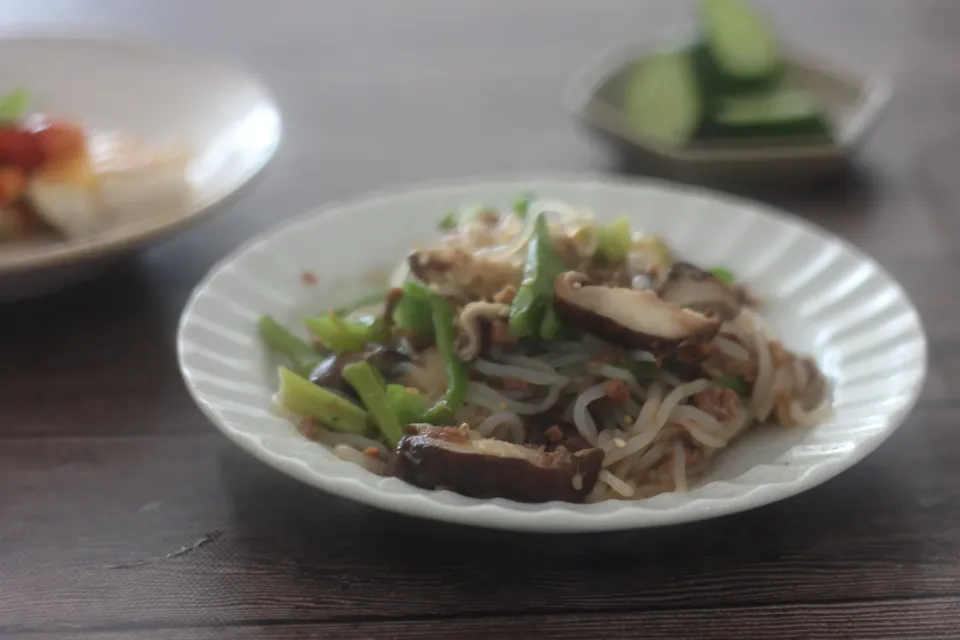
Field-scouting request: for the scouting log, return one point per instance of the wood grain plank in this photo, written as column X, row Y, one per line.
column 96, row 360
column 932, row 619
column 109, row 476
column 889, row 528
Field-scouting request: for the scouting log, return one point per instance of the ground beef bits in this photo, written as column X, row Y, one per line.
column 720, row 402
column 552, row 434
column 445, row 458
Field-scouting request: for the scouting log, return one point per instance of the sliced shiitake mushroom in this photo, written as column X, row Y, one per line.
column 628, row 317
column 690, row 287
column 460, row 274
column 451, row 458
column 471, row 326
column 329, row 373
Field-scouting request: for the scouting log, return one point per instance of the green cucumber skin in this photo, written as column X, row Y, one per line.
column 680, row 58
column 715, row 82
column 808, row 123
column 712, row 92
column 714, row 89
column 810, row 130
column 714, row 31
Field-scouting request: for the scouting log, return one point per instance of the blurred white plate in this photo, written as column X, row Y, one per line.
column 853, row 102
column 825, row 298
column 224, row 116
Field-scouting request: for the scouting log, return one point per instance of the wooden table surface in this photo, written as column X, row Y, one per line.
column 125, row 515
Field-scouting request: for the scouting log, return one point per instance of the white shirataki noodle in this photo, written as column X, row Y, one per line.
column 336, row 438
column 492, row 424
column 620, row 486
column 582, row 419
column 813, row 417
column 781, row 383
column 619, row 373
column 567, row 359
column 655, row 415
column 701, row 434
column 679, row 466
column 605, row 439
column 348, row 453
column 642, row 356
column 731, row 349
column 764, row 382
column 690, row 413
column 633, row 445
column 518, row 242
column 675, row 397
column 644, row 421
column 530, row 363
column 642, row 462
column 513, row 246
column 489, row 398
column 525, row 373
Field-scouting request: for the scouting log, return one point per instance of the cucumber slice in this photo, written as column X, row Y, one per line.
column 742, row 49
column 661, row 98
column 779, row 114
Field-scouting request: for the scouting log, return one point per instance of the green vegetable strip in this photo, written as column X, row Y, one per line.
column 407, row 406
column 615, row 241
column 449, row 221
column 303, row 357
column 525, row 311
column 445, row 334
column 369, row 385
column 302, row 397
column 521, row 204
column 413, row 312
column 553, row 329
column 14, row 104
column 535, row 296
column 443, row 318
column 724, row 275
column 342, row 336
column 360, row 303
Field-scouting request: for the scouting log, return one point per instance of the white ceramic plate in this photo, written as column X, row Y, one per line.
column 825, row 297
column 224, row 116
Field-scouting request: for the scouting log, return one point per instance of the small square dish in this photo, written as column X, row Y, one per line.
column 853, row 103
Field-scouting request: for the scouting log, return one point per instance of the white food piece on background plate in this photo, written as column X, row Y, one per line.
column 119, row 181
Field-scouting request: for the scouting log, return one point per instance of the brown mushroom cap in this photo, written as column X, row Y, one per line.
column 471, row 323
column 461, row 274
column 630, row 318
column 438, row 458
column 329, row 373
column 693, row 288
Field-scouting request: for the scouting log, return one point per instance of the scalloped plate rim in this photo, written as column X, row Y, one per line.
column 551, row 517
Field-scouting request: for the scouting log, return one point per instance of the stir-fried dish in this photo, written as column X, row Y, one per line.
column 56, row 176
column 535, row 354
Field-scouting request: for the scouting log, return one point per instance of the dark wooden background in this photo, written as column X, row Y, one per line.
column 110, row 478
